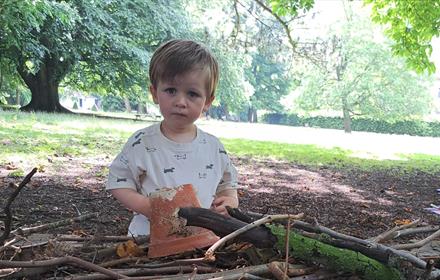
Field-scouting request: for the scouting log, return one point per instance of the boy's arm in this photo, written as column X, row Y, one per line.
column 133, row 200
column 225, row 198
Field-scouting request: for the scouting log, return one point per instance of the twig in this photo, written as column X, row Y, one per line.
column 7, row 209
column 416, row 230
column 209, row 255
column 61, row 261
column 27, row 231
column 390, row 233
column 232, row 274
column 287, row 247
column 276, row 271
column 67, row 237
column 417, row 244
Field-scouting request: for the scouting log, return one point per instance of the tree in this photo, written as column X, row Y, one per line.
column 361, row 77
column 270, row 81
column 411, row 24
column 99, row 45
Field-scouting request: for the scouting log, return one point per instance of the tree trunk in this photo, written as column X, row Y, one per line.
column 347, row 117
column 44, row 86
column 17, row 97
column 127, row 105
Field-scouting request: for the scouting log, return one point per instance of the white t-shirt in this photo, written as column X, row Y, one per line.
column 149, row 161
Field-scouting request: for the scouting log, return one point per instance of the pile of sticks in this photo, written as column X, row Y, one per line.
column 245, row 251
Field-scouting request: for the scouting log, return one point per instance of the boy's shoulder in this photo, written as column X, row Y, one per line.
column 208, row 137
column 146, row 131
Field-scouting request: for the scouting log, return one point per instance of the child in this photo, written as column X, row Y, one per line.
column 183, row 76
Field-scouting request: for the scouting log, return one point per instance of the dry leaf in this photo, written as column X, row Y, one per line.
column 402, row 222
column 79, row 232
column 128, row 249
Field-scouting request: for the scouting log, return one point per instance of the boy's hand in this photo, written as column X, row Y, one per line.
column 223, row 199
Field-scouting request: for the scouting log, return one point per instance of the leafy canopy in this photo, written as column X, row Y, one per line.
column 411, row 24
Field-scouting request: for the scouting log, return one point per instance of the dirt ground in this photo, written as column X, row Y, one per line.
column 359, row 204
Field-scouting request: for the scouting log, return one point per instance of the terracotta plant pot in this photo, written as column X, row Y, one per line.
column 168, row 233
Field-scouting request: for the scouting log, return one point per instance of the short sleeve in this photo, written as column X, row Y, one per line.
column 120, row 175
column 229, row 179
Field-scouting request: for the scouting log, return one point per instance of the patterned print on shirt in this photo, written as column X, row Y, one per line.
column 168, row 170
column 179, row 157
column 136, row 142
column 210, row 166
column 150, row 150
column 202, row 175
column 203, row 141
column 123, row 160
column 222, row 151
column 121, row 180
column 139, row 134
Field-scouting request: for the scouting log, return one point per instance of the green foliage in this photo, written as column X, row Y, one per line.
column 361, row 78
column 289, row 7
column 103, row 46
column 409, row 127
column 270, row 81
column 411, row 24
column 308, row 249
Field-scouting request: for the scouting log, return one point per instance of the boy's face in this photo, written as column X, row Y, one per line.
column 183, row 99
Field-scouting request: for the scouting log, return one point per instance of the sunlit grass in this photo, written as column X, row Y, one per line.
column 34, row 137
column 312, row 155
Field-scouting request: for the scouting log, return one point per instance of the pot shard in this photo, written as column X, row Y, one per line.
column 168, row 233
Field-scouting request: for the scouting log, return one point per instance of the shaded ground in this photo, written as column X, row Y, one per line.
column 355, row 203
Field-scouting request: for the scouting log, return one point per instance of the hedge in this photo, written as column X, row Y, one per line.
column 409, row 127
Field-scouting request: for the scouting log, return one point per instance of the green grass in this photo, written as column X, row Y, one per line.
column 34, row 137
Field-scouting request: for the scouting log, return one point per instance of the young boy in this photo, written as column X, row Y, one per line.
column 183, row 76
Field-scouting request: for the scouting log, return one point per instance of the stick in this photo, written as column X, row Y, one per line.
column 390, row 233
column 277, row 272
column 232, row 274
column 7, row 209
column 60, row 261
column 417, row 244
column 410, row 231
column 209, row 255
column 27, row 231
column 67, row 237
column 287, row 245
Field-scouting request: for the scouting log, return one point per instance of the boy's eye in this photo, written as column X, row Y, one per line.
column 170, row 90
column 193, row 94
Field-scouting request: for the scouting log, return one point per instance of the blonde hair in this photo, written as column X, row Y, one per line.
column 176, row 57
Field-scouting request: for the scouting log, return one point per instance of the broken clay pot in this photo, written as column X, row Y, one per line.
column 168, row 233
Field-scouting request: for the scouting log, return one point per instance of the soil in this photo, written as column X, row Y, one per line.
column 349, row 201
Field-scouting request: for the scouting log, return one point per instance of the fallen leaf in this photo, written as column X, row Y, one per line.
column 402, row 222
column 128, row 249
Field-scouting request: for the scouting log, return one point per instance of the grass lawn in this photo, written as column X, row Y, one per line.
column 33, row 137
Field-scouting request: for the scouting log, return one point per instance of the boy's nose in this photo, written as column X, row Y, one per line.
column 180, row 100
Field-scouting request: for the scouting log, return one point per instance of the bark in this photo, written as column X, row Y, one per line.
column 127, row 105
column 222, row 225
column 44, row 85
column 347, row 120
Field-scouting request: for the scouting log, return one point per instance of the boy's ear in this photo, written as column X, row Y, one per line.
column 153, row 91
column 208, row 102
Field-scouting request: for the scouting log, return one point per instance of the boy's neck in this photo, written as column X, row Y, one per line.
column 179, row 135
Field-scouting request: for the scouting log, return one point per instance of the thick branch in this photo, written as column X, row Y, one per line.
column 223, row 225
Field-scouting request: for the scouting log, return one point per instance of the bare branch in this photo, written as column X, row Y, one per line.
column 7, row 209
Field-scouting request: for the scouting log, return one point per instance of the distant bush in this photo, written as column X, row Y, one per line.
column 8, row 107
column 409, row 127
